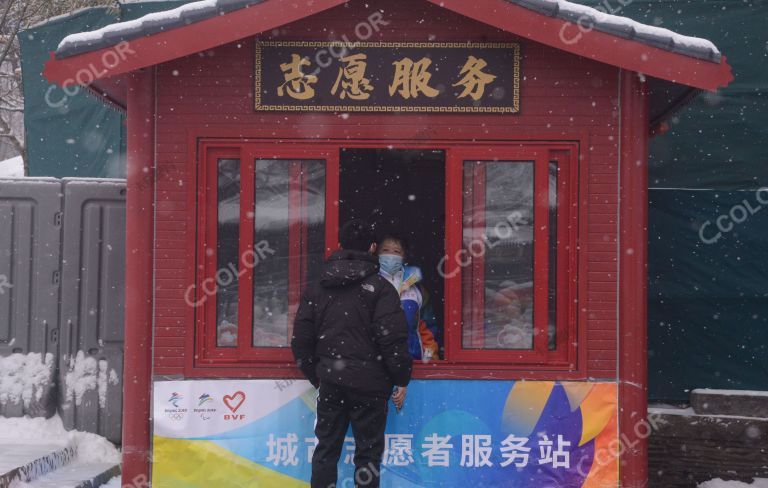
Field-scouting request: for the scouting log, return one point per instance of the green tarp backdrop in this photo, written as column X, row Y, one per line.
column 69, row 132
column 708, row 301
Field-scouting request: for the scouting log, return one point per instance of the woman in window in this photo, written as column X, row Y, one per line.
column 422, row 324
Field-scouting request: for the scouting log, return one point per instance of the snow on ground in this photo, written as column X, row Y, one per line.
column 54, row 457
column 719, row 483
column 29, row 432
column 710, row 391
column 12, row 168
column 19, row 453
column 25, row 377
column 72, row 475
column 113, row 483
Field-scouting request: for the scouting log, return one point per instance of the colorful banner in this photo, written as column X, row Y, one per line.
column 233, row 433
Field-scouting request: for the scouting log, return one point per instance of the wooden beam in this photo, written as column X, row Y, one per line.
column 139, row 283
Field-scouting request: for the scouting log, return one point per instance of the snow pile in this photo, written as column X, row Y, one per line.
column 85, row 374
column 32, row 429
column 91, row 448
column 25, row 377
column 719, row 483
column 12, row 168
column 113, row 483
column 689, row 412
column 710, row 391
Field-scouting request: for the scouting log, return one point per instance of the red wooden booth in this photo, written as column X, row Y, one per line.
column 530, row 115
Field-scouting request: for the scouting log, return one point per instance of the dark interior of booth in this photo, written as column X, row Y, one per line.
column 400, row 191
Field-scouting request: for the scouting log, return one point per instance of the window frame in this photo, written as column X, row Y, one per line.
column 565, row 353
column 208, row 353
column 566, row 359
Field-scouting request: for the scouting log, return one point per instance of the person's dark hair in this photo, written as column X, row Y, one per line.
column 394, row 236
column 356, row 235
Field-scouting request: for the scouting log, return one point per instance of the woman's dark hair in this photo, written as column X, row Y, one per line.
column 356, row 235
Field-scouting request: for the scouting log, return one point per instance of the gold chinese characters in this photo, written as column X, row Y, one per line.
column 410, row 79
column 475, row 79
column 352, row 79
column 297, row 85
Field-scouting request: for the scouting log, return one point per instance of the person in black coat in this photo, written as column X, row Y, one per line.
column 350, row 340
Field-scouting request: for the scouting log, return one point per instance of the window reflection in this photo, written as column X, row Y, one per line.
column 498, row 234
column 289, row 218
column 553, row 265
column 227, row 249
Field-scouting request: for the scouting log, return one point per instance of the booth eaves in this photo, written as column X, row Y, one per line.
column 677, row 67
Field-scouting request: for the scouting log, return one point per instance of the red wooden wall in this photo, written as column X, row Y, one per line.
column 563, row 97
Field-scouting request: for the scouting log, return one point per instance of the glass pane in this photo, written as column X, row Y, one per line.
column 289, row 243
column 498, row 235
column 552, row 303
column 227, row 250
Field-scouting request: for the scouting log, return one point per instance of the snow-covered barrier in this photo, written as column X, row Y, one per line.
column 26, row 381
column 92, row 306
column 62, row 287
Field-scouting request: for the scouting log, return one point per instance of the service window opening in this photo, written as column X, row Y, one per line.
column 402, row 192
column 492, row 231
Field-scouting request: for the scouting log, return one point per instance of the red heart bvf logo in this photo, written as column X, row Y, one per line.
column 233, row 402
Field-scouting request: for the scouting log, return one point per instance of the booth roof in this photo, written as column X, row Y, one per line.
column 588, row 17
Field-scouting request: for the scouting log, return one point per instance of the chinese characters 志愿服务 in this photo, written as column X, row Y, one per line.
column 411, row 79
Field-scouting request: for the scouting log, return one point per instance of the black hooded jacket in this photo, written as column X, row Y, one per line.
column 350, row 329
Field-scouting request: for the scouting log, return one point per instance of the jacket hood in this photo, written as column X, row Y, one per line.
column 347, row 267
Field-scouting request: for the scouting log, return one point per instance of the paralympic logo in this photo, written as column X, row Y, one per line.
column 204, row 398
column 205, row 413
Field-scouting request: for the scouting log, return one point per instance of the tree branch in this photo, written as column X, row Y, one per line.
column 17, row 144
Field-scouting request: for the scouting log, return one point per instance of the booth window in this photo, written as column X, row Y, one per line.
column 264, row 241
column 289, row 223
column 493, row 231
column 497, row 288
column 553, row 264
column 516, row 256
column 227, row 250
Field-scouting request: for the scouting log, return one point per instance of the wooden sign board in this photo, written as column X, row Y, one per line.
column 388, row 77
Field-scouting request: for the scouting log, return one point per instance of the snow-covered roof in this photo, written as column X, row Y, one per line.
column 625, row 28
column 147, row 25
column 587, row 17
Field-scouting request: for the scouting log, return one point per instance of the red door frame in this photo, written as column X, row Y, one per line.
column 568, row 363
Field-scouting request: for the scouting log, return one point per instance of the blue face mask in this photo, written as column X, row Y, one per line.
column 391, row 263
